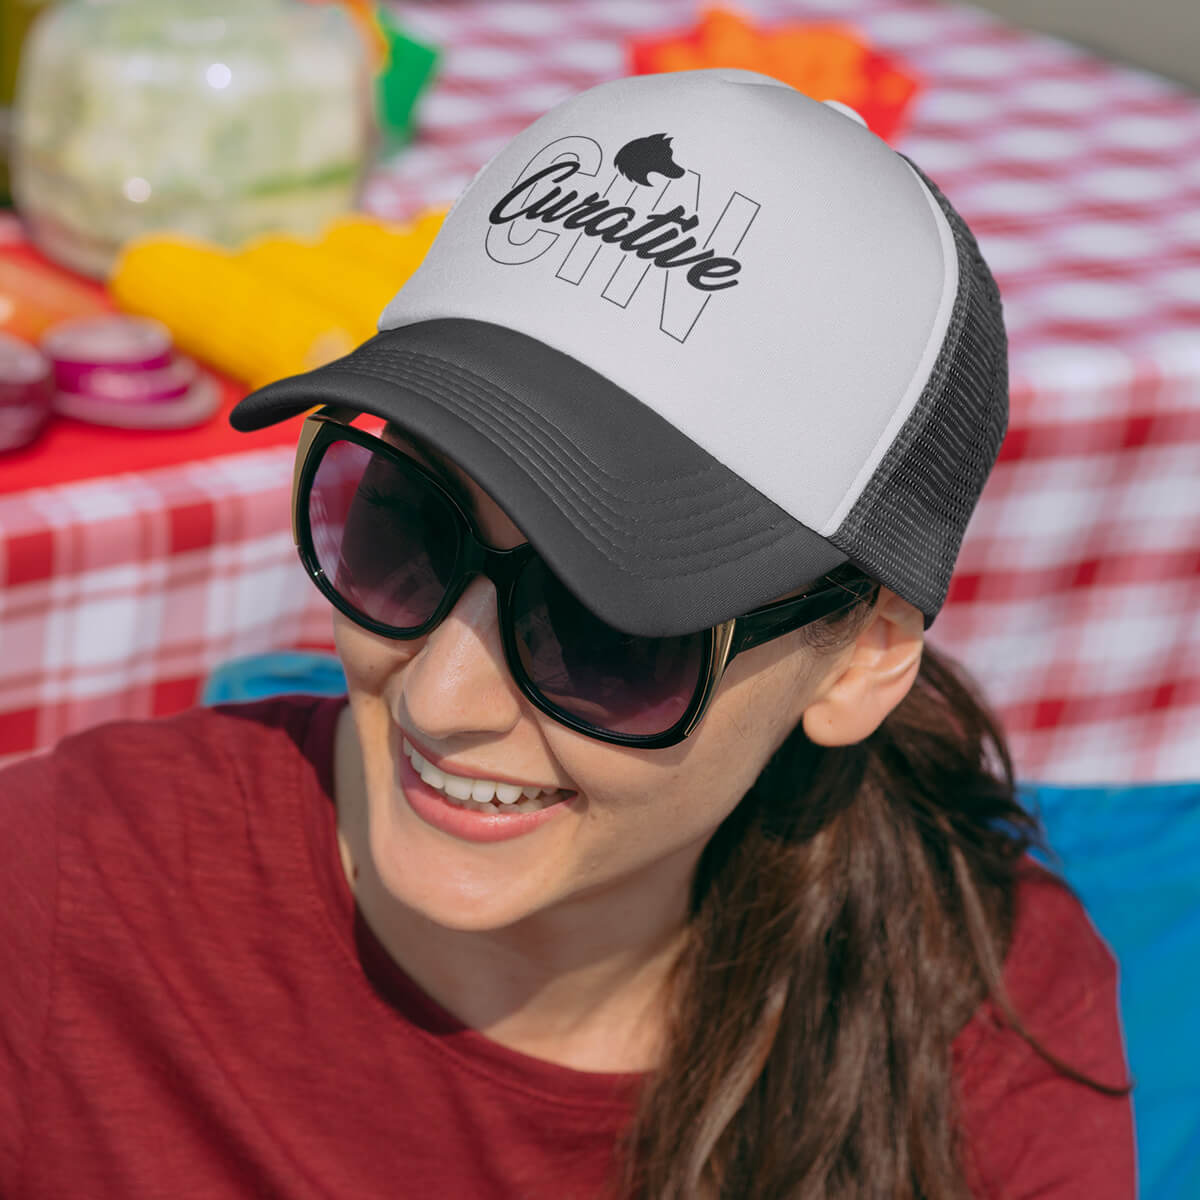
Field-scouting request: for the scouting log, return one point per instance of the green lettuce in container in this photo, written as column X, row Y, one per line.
column 217, row 118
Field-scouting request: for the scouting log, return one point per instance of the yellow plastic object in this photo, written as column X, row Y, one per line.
column 358, row 292
column 248, row 325
column 279, row 305
column 396, row 249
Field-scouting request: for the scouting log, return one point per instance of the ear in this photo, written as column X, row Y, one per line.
column 870, row 677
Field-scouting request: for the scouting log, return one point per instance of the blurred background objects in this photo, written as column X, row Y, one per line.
column 273, row 209
column 1078, row 590
column 16, row 16
column 214, row 118
column 1160, row 35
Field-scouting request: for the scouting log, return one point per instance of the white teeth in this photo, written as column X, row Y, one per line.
column 458, row 787
column 432, row 776
column 477, row 792
column 426, row 770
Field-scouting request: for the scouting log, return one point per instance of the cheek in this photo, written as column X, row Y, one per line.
column 368, row 660
column 643, row 818
column 764, row 696
column 696, row 784
column 746, row 724
column 643, row 803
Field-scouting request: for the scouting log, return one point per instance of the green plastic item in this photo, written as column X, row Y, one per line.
column 16, row 16
column 409, row 69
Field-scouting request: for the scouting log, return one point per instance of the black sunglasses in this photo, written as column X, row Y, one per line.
column 393, row 549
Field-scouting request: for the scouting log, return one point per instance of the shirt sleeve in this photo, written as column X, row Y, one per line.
column 28, row 884
column 1031, row 1131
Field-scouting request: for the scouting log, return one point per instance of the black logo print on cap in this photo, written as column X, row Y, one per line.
column 641, row 222
column 646, row 156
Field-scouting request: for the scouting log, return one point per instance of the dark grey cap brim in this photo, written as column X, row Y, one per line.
column 649, row 530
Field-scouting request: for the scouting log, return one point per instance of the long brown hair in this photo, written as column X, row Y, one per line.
column 847, row 919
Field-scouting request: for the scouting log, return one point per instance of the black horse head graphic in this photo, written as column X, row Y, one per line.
column 641, row 158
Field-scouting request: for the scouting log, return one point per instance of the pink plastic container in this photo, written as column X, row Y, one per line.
column 26, row 392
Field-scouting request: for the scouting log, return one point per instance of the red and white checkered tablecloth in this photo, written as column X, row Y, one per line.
column 1077, row 600
column 121, row 594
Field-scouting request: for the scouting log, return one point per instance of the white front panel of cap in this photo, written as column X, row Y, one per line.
column 756, row 267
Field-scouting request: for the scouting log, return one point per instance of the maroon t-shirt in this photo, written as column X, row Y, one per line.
column 189, row 1007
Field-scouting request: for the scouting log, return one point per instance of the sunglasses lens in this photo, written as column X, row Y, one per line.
column 385, row 539
column 388, row 542
column 618, row 682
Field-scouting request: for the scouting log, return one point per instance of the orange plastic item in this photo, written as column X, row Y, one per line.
column 35, row 295
column 825, row 61
column 362, row 12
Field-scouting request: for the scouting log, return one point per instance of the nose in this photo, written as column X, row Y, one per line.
column 459, row 682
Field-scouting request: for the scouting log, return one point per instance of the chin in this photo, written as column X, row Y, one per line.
column 470, row 889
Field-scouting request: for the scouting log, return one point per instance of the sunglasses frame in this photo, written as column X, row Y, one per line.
column 723, row 643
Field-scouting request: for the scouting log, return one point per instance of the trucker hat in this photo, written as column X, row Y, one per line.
column 703, row 339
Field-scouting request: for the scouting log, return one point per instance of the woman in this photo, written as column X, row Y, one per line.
column 653, row 854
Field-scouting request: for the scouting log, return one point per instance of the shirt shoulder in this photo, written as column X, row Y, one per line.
column 1031, row 1129
column 1058, row 970
column 28, row 907
column 214, row 740
column 148, row 778
column 111, row 815
column 186, row 806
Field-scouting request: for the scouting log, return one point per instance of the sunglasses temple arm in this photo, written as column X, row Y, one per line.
column 775, row 620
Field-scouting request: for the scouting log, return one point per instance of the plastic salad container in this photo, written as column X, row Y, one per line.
column 220, row 119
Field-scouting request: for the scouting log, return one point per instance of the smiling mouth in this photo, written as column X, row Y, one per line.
column 482, row 795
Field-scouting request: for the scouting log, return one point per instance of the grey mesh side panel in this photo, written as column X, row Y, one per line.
column 908, row 524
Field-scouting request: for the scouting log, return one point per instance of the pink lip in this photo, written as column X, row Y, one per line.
column 434, row 809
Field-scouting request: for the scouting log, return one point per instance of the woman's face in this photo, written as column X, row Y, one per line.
column 636, row 821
